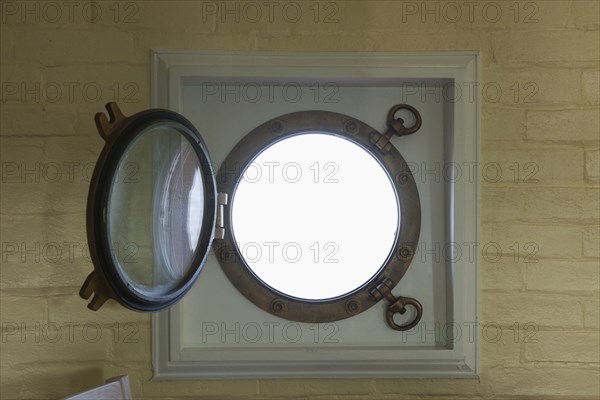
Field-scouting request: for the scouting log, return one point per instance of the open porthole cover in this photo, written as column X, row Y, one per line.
column 398, row 255
column 151, row 210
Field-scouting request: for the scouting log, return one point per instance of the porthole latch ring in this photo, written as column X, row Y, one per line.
column 395, row 127
column 396, row 305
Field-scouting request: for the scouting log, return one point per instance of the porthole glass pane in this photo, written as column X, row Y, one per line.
column 155, row 210
column 315, row 216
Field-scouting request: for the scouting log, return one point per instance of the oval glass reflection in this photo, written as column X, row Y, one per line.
column 155, row 210
column 315, row 216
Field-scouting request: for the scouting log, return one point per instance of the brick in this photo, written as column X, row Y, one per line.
column 504, row 352
column 53, row 343
column 461, row 387
column 174, row 16
column 564, row 347
column 544, row 382
column 386, row 17
column 530, row 166
column 592, row 166
column 502, row 125
column 17, row 78
column 57, row 119
column 51, row 228
column 133, row 342
column 563, row 276
column 495, row 15
column 28, row 311
column 566, row 47
column 60, row 172
column 506, row 309
column 147, row 40
column 591, row 241
column 503, row 275
column 50, row 15
column 51, row 149
column 531, row 87
column 42, row 121
column 13, row 151
column 323, row 18
column 44, row 197
column 7, row 49
column 565, row 125
column 530, row 203
column 71, row 46
column 590, row 86
column 197, row 389
column 49, row 381
column 351, row 42
column 44, row 252
column 73, row 309
column 585, row 14
column 428, row 42
column 125, row 84
column 379, row 396
column 591, row 312
column 287, row 387
column 529, row 243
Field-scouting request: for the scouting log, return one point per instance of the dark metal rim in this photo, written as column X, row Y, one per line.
column 407, row 236
column 98, row 239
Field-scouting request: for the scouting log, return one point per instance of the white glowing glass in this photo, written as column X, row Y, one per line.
column 315, row 216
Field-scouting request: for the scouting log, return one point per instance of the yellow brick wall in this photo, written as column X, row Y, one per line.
column 60, row 61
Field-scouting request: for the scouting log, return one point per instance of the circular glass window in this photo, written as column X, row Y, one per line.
column 151, row 210
column 323, row 217
column 315, row 216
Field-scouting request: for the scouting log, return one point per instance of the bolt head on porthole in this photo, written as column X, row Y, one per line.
column 151, row 210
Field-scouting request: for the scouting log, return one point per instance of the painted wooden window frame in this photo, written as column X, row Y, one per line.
column 170, row 69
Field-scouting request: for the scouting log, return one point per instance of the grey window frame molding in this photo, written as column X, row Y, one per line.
column 172, row 361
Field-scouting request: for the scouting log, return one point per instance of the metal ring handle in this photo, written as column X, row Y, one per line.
column 398, row 123
column 400, row 307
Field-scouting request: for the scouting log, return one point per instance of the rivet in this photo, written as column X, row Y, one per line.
column 405, row 252
column 224, row 254
column 352, row 307
column 350, row 126
column 277, row 306
column 402, row 178
column 276, row 127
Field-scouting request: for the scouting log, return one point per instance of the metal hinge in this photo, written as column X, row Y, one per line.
column 396, row 304
column 383, row 289
column 222, row 199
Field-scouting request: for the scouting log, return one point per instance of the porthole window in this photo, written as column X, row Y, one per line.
column 314, row 216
